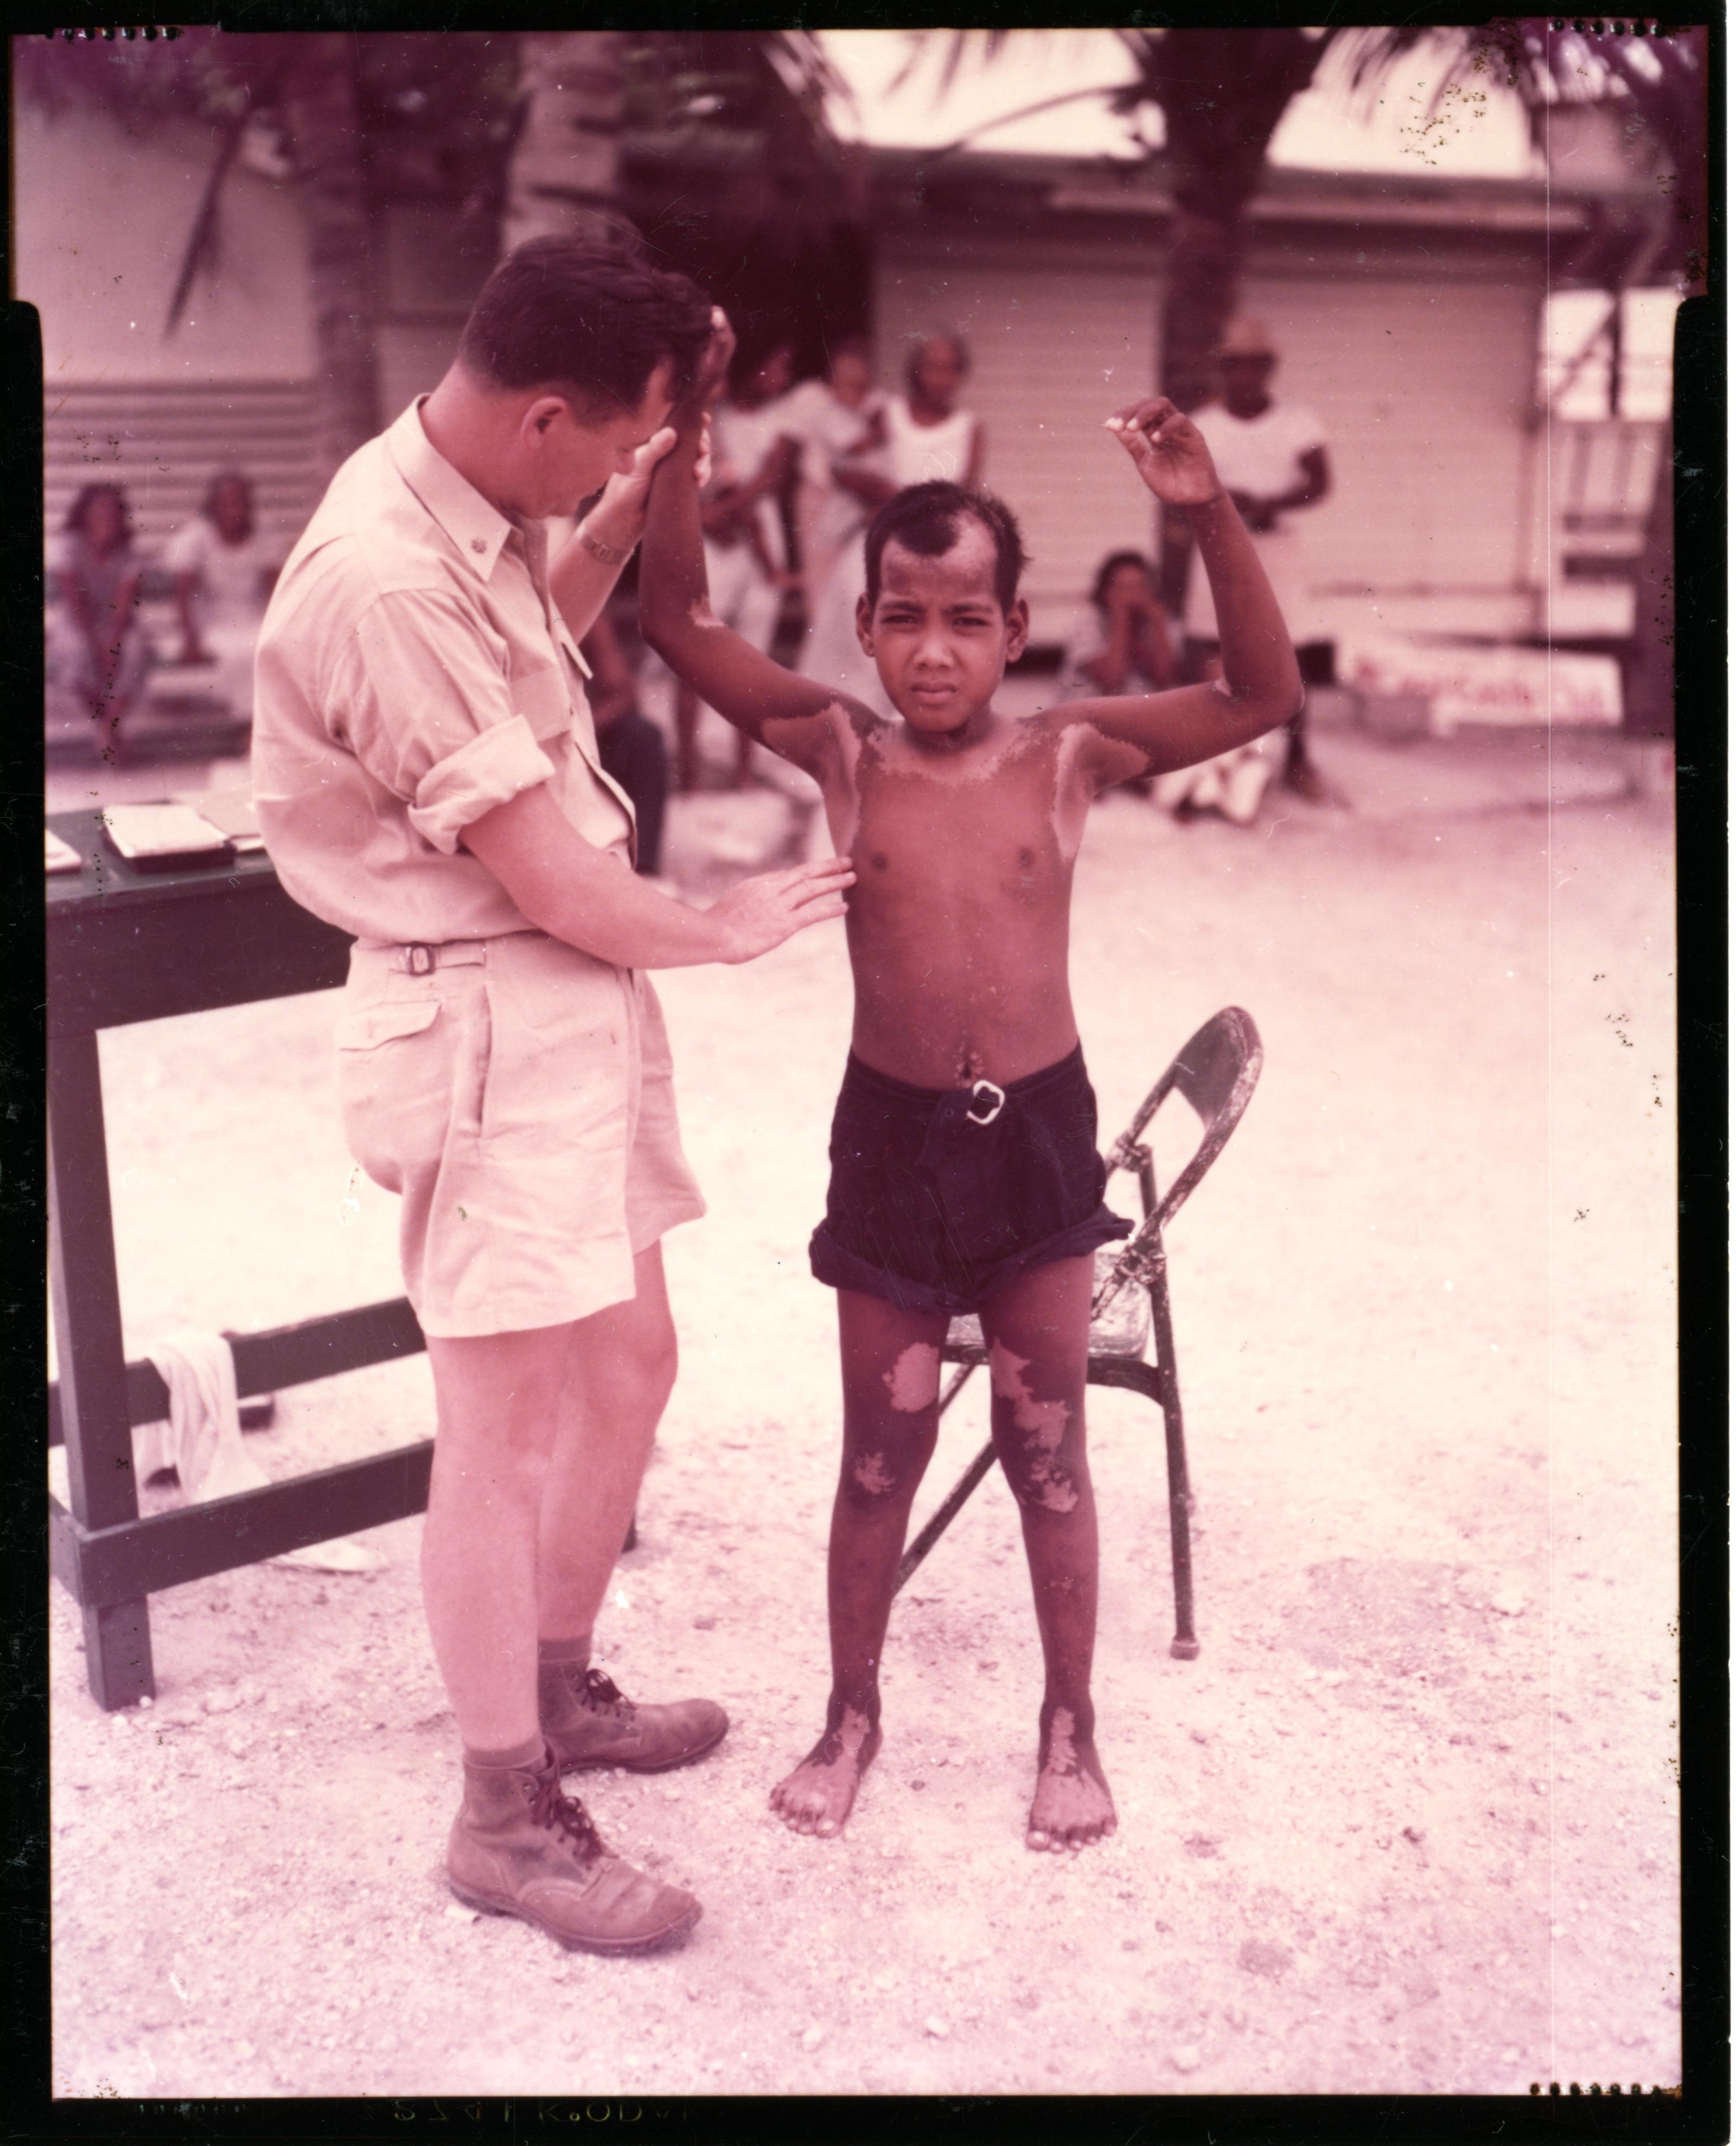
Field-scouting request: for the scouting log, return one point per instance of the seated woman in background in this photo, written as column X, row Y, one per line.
column 1122, row 645
column 97, row 655
column 224, row 567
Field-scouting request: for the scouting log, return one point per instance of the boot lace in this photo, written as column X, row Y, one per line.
column 565, row 1815
column 600, row 1696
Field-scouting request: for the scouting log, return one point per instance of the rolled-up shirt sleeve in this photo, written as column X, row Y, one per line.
column 422, row 695
column 494, row 766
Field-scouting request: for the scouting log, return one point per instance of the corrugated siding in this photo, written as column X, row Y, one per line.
column 163, row 444
column 1424, row 389
column 1423, row 385
column 1055, row 348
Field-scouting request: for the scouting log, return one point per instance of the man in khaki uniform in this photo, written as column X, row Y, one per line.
column 427, row 779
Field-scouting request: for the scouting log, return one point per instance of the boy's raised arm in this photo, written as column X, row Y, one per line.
column 674, row 612
column 1261, row 687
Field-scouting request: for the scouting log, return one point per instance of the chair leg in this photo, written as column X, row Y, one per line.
column 1185, row 1647
column 948, row 1511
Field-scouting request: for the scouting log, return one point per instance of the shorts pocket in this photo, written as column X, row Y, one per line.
column 365, row 1028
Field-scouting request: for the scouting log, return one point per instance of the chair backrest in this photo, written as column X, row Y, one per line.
column 1215, row 1072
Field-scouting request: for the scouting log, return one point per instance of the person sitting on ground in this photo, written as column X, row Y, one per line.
column 753, row 455
column 225, row 566
column 98, row 656
column 630, row 747
column 1122, row 645
column 1272, row 457
column 966, row 1175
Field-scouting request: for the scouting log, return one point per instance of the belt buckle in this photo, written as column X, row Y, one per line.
column 995, row 1107
column 418, row 961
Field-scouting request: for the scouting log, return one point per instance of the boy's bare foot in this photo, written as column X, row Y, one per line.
column 1072, row 1806
column 817, row 1797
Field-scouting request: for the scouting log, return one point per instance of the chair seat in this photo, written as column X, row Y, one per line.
column 1122, row 1328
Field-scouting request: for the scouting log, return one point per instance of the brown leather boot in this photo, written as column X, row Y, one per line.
column 519, row 1847
column 588, row 1723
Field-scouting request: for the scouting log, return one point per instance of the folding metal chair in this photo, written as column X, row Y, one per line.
column 1214, row 1072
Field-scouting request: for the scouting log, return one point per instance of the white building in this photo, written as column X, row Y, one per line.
column 1409, row 308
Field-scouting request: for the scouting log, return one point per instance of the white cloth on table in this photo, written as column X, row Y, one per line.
column 201, row 1440
column 1262, row 455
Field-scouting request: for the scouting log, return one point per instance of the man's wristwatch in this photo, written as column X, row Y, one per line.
column 612, row 555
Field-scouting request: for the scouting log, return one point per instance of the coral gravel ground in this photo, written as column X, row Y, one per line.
column 1409, row 1823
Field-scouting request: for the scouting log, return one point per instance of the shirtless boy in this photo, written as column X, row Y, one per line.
column 964, row 1168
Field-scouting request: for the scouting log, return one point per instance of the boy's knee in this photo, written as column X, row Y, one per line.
column 914, row 1381
column 892, row 1467
column 1041, row 1479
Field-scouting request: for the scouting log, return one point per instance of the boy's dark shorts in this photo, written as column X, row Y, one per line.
column 940, row 1197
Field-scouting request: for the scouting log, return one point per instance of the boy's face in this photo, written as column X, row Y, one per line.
column 937, row 633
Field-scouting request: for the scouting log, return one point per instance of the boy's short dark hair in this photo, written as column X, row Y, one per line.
column 924, row 518
column 591, row 316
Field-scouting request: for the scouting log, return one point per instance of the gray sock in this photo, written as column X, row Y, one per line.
column 562, row 1653
column 532, row 1752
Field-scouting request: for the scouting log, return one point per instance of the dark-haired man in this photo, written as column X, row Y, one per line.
column 427, row 778
column 966, row 1175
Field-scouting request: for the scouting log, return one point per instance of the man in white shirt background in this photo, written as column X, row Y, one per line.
column 1272, row 458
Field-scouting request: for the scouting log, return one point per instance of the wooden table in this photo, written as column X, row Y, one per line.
column 125, row 945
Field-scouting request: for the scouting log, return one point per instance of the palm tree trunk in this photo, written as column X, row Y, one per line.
column 322, row 120
column 566, row 167
column 1222, row 93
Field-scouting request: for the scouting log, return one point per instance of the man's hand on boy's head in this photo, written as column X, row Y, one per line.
column 618, row 517
column 1172, row 459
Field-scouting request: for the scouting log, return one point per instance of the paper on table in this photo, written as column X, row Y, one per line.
column 147, row 834
column 59, row 856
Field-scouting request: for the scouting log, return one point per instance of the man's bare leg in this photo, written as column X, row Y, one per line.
column 891, row 1364
column 1038, row 1331
column 498, row 1398
column 621, row 1370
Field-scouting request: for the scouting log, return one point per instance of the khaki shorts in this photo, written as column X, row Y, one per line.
column 518, row 1095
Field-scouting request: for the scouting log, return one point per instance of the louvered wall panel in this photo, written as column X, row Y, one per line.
column 1424, row 390
column 1055, row 348
column 163, row 444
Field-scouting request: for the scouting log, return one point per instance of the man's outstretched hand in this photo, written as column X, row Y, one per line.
column 1172, row 459
column 773, row 906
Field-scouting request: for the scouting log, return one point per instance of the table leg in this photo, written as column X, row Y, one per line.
column 84, row 1293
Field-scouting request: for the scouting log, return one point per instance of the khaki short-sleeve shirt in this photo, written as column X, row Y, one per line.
column 413, row 673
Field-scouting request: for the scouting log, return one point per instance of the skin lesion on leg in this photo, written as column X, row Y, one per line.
column 1072, row 1806
column 1037, row 1332
column 817, row 1797
column 914, row 1381
column 1036, row 1475
column 891, row 1364
column 870, row 1473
